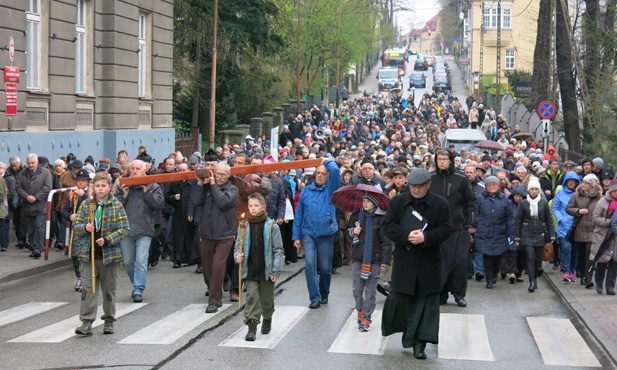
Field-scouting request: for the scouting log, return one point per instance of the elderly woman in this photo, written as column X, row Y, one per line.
column 534, row 227
column 602, row 214
column 581, row 206
column 494, row 235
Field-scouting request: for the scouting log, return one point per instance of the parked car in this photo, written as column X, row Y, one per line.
column 417, row 79
column 420, row 63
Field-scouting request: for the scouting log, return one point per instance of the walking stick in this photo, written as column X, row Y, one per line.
column 72, row 234
column 92, row 207
column 242, row 225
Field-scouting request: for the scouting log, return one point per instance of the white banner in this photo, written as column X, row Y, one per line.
column 274, row 143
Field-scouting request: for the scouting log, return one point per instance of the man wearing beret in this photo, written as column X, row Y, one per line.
column 418, row 222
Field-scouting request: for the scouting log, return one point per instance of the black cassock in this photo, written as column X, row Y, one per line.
column 183, row 231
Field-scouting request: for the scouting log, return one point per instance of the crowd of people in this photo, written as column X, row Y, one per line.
column 504, row 207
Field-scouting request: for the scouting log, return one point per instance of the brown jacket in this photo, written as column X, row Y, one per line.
column 247, row 185
column 585, row 226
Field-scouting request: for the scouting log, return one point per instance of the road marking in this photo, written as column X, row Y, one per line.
column 172, row 327
column 27, row 310
column 463, row 337
column 560, row 343
column 65, row 329
column 351, row 340
column 283, row 320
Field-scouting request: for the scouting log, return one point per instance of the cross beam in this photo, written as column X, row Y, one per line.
column 202, row 172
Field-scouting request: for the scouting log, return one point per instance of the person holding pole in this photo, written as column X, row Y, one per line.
column 107, row 225
column 69, row 212
column 262, row 246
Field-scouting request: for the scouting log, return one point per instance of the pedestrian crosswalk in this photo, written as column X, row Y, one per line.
column 462, row 336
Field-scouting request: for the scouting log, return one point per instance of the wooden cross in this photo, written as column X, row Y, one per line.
column 202, row 172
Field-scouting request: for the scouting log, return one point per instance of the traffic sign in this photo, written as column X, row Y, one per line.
column 11, row 74
column 547, row 110
column 11, row 50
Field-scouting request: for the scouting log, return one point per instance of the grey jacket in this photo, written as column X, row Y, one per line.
column 142, row 208
column 39, row 185
column 602, row 226
column 217, row 206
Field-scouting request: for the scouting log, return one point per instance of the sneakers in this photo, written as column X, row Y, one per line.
column 266, row 326
column 365, row 325
column 108, row 328
column 77, row 285
column 572, row 277
column 565, row 277
column 137, row 298
column 360, row 317
column 85, row 328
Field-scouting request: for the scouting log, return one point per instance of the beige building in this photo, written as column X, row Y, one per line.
column 518, row 38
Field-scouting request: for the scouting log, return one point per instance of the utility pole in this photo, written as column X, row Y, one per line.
column 481, row 50
column 498, row 71
column 298, row 65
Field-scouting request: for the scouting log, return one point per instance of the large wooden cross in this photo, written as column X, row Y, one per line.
column 241, row 170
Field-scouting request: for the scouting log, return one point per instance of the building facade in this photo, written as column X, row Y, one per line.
column 519, row 20
column 96, row 76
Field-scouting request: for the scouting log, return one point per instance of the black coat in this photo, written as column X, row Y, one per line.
column 382, row 246
column 529, row 231
column 420, row 265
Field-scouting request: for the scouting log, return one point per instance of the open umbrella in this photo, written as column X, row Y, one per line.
column 523, row 136
column 349, row 197
column 488, row 145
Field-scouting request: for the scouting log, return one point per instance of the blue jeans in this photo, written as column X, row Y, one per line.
column 568, row 256
column 135, row 256
column 318, row 252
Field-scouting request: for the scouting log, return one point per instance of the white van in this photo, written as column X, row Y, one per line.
column 462, row 138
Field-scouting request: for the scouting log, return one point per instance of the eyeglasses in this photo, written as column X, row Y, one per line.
column 221, row 174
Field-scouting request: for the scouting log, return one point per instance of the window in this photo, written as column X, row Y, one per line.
column 81, row 54
column 509, row 59
column 490, row 16
column 33, row 45
column 142, row 63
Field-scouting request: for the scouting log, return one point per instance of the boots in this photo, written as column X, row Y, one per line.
column 252, row 333
column 533, row 285
column 418, row 350
column 266, row 326
column 85, row 328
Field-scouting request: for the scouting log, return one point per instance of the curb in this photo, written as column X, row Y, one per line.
column 35, row 270
column 602, row 340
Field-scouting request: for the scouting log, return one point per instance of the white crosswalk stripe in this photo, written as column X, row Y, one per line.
column 170, row 328
column 283, row 320
column 27, row 310
column 463, row 337
column 351, row 340
column 65, row 329
column 560, row 343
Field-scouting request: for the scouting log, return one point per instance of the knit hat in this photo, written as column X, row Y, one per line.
column 89, row 168
column 591, row 179
column 612, row 186
column 598, row 162
column 492, row 179
column 210, row 156
column 370, row 197
column 533, row 184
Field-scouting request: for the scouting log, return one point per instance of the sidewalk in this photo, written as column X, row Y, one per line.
column 15, row 263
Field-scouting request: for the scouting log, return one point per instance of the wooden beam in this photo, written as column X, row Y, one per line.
column 241, row 170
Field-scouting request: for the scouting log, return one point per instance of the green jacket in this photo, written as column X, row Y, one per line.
column 115, row 227
column 273, row 249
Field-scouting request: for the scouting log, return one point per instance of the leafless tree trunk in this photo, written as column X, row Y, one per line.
column 541, row 56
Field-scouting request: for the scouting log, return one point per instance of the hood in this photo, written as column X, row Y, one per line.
column 550, row 150
column 518, row 189
column 450, row 169
column 570, row 175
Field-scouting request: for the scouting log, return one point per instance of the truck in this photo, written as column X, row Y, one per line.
column 389, row 79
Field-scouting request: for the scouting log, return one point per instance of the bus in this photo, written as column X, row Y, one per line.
column 395, row 58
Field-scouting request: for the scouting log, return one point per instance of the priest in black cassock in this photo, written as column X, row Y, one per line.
column 418, row 221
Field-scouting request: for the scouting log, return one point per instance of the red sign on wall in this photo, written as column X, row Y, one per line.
column 11, row 98
column 11, row 74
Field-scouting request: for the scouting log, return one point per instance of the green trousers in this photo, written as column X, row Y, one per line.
column 106, row 277
column 259, row 300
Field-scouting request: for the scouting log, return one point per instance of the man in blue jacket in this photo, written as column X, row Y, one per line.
column 314, row 227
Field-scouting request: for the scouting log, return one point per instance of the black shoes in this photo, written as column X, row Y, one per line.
column 211, row 308
column 252, row 333
column 489, row 285
column 324, row 299
column 315, row 304
column 462, row 303
column 384, row 288
column 199, row 269
column 533, row 285
column 599, row 289
column 266, row 326
column 418, row 350
column 137, row 298
column 589, row 285
column 610, row 291
column 35, row 255
column 479, row 276
column 177, row 265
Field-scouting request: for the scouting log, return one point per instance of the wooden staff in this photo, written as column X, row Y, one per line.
column 92, row 207
column 72, row 234
column 242, row 225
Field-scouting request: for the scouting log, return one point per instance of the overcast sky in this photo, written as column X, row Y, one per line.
column 423, row 11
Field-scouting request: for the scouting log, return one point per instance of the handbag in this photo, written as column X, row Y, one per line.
column 548, row 253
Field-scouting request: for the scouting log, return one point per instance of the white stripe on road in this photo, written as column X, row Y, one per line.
column 351, row 340
column 560, row 343
column 283, row 320
column 172, row 327
column 65, row 329
column 463, row 337
column 27, row 310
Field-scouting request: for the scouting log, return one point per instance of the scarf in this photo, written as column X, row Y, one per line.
column 367, row 257
column 533, row 205
column 259, row 218
column 612, row 207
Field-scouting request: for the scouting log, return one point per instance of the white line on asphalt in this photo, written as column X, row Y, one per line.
column 65, row 329
column 283, row 320
column 560, row 343
column 463, row 337
column 351, row 340
column 27, row 310
column 170, row 328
